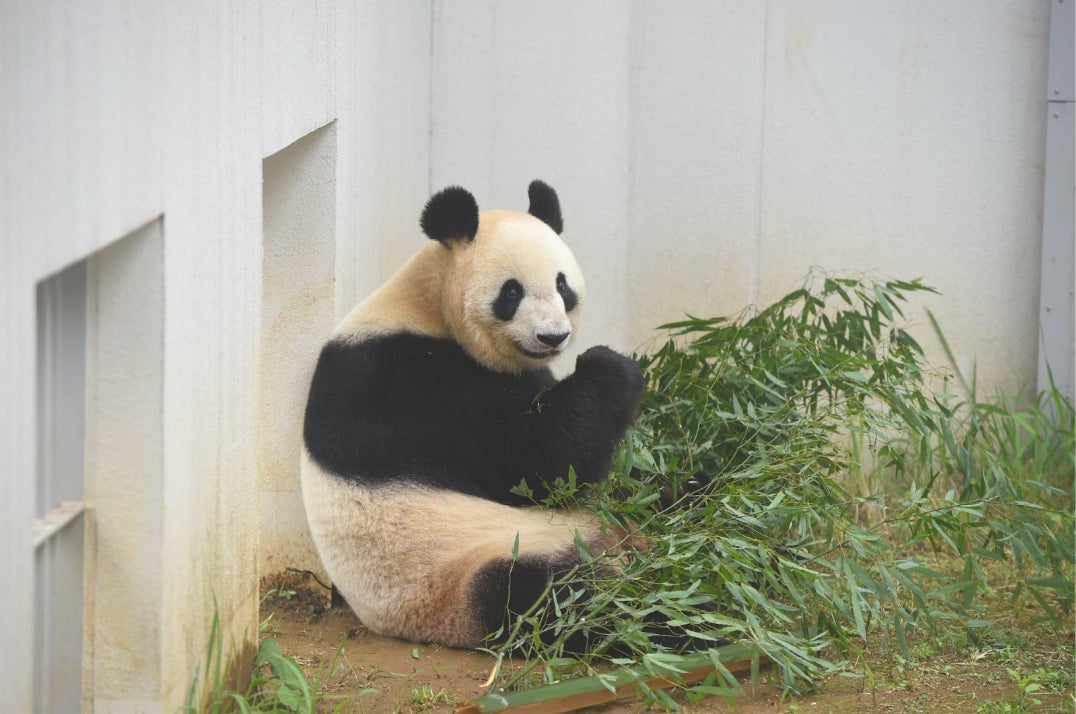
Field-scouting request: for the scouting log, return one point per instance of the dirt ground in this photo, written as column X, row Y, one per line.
column 1020, row 667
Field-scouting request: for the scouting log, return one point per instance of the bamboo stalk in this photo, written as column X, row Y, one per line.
column 576, row 694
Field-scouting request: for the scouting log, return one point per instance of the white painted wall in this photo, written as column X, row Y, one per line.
column 298, row 291
column 707, row 156
column 125, row 436
column 710, row 154
column 114, row 114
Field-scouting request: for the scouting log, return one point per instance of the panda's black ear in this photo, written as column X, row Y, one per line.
column 545, row 205
column 451, row 214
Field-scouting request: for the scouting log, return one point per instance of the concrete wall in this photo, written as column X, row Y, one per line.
column 118, row 115
column 707, row 156
column 298, row 281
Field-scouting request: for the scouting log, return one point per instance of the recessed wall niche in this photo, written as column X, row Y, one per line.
column 98, row 526
column 298, row 277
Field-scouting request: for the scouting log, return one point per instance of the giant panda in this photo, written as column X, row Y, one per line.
column 433, row 398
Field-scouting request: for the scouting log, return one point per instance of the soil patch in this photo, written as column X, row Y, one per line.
column 1017, row 667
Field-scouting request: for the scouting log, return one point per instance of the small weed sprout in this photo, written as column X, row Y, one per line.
column 424, row 697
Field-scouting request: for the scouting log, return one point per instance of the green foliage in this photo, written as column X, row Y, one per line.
column 794, row 470
column 1024, row 701
column 277, row 684
column 424, row 697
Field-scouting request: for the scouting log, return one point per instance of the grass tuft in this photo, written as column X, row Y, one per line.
column 277, row 684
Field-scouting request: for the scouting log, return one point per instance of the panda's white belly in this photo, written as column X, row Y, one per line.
column 402, row 552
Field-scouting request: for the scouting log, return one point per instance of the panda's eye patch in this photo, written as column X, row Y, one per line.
column 504, row 307
column 566, row 293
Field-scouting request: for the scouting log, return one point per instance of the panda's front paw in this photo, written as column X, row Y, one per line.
column 604, row 364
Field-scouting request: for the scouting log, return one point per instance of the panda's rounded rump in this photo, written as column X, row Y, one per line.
column 406, row 557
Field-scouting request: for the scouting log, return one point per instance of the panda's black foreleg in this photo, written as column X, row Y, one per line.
column 578, row 422
column 610, row 383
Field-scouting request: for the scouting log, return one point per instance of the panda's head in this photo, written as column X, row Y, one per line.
column 512, row 289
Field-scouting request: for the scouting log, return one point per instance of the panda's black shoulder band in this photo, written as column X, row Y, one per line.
column 451, row 214
column 545, row 205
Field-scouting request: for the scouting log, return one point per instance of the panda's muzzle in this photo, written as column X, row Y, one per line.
column 546, row 354
column 552, row 339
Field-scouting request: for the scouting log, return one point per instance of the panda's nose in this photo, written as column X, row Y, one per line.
column 552, row 339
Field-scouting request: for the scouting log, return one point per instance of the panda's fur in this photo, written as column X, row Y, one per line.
column 433, row 398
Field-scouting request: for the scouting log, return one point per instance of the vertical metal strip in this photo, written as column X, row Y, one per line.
column 1057, row 317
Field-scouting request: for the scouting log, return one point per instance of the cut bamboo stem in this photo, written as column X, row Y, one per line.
column 590, row 691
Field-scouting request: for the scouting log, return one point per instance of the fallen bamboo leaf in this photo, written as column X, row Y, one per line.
column 494, row 672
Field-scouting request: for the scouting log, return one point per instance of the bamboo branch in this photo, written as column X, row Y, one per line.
column 576, row 694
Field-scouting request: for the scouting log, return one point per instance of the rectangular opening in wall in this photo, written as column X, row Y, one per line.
column 59, row 509
column 98, row 524
column 298, row 278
